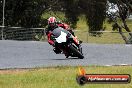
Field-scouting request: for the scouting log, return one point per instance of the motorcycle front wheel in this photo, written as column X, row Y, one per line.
column 76, row 52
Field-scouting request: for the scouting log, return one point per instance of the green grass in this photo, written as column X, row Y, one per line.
column 58, row 77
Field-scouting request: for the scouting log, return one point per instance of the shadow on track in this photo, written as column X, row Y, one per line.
column 71, row 58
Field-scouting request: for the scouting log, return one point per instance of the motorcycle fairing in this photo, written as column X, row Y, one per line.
column 62, row 37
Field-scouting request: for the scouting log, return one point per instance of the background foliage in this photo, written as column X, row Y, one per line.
column 27, row 13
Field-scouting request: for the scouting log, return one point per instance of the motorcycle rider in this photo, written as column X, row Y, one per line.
column 52, row 24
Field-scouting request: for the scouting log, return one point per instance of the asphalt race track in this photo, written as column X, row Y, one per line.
column 30, row 54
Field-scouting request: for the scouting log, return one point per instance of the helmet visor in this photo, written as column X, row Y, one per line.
column 52, row 24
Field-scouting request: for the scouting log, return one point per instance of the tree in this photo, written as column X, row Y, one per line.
column 94, row 11
column 72, row 12
column 25, row 13
column 123, row 9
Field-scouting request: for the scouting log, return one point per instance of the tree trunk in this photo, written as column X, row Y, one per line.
column 121, row 33
column 123, row 18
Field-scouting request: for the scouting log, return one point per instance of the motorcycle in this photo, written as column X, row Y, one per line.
column 67, row 43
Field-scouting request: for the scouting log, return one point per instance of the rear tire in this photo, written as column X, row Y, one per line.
column 76, row 52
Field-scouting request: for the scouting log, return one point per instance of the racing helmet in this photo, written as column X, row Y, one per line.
column 52, row 21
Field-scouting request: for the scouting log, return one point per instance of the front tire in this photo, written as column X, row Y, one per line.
column 76, row 52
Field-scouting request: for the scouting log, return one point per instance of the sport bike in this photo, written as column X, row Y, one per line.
column 67, row 43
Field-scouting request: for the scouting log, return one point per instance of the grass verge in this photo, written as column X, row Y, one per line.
column 58, row 77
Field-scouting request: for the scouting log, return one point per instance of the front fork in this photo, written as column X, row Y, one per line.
column 78, row 47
